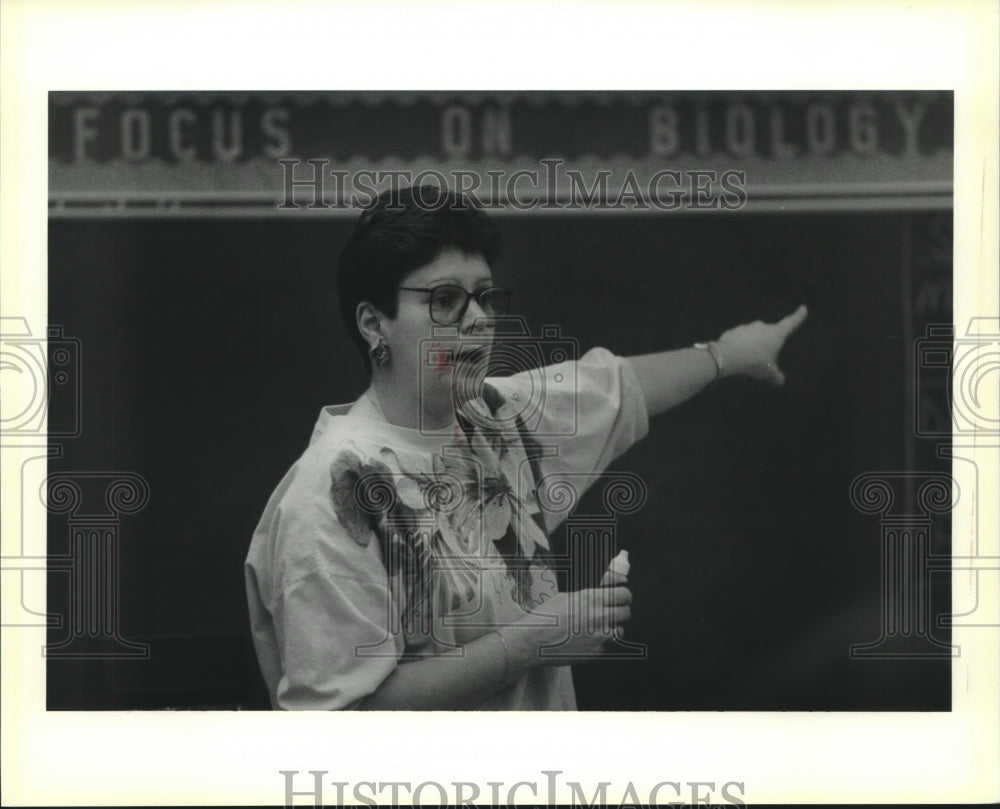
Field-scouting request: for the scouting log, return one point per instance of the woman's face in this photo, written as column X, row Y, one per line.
column 412, row 332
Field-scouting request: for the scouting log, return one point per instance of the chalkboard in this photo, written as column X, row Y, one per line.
column 208, row 347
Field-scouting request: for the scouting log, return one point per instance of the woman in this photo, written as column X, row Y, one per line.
column 403, row 562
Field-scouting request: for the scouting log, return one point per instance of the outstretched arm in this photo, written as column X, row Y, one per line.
column 668, row 378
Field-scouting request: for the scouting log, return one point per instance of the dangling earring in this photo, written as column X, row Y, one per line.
column 379, row 353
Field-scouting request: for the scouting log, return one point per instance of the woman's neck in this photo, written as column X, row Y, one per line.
column 432, row 409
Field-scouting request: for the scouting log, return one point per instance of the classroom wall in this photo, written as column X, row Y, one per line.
column 208, row 348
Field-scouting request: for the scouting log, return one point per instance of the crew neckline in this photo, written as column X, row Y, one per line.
column 363, row 409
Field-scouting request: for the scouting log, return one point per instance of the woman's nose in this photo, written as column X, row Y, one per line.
column 476, row 320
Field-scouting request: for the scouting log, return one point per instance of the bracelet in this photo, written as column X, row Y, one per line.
column 713, row 349
column 506, row 656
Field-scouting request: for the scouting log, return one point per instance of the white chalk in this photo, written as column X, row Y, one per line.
column 620, row 564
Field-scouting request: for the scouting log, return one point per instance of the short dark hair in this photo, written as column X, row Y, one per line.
column 403, row 230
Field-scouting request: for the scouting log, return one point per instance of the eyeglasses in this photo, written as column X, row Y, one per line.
column 449, row 302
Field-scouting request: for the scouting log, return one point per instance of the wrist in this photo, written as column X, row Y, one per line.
column 714, row 350
column 522, row 642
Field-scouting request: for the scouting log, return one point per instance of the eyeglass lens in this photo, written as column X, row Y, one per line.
column 448, row 302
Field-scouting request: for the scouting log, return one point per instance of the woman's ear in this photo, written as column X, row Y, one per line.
column 369, row 321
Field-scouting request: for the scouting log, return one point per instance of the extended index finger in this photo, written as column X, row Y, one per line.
column 793, row 321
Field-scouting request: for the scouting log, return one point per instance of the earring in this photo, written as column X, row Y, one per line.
column 379, row 353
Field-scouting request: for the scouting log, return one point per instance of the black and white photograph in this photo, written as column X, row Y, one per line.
column 623, row 410
column 671, row 325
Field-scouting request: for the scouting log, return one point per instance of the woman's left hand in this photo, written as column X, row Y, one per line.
column 752, row 349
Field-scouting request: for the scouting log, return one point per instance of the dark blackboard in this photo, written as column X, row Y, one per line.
column 208, row 348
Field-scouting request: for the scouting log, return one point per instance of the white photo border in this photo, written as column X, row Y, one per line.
column 205, row 758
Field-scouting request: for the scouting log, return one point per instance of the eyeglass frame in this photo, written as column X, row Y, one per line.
column 465, row 305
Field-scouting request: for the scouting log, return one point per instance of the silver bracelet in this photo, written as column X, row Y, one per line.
column 713, row 349
column 506, row 656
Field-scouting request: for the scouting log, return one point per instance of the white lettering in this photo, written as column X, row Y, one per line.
column 910, row 119
column 176, row 135
column 456, row 131
column 779, row 147
column 227, row 152
column 83, row 131
column 862, row 133
column 702, row 144
column 273, row 123
column 740, row 130
column 497, row 138
column 136, row 129
column 819, row 129
column 663, row 137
